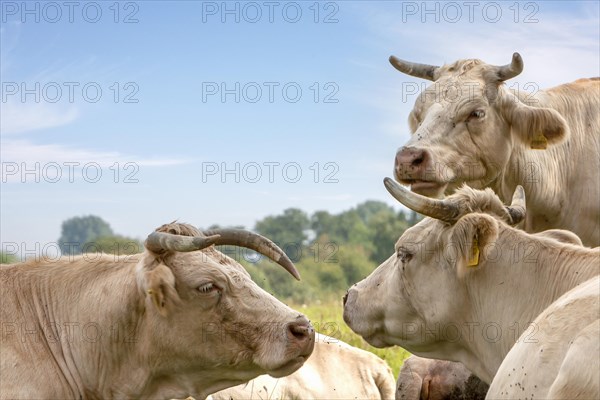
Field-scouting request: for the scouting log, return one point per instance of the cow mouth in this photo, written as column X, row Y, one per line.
column 377, row 340
column 288, row 368
column 425, row 188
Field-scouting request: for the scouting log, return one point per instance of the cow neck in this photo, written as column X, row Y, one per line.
column 525, row 278
column 94, row 308
column 540, row 174
column 552, row 176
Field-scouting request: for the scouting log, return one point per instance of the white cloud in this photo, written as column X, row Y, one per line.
column 27, row 117
column 21, row 155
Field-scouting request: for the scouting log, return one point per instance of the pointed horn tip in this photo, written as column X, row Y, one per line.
column 290, row 267
column 392, row 186
column 517, row 57
column 517, row 60
column 520, row 189
column 296, row 275
column 519, row 193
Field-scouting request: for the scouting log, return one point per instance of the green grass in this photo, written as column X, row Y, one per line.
column 326, row 317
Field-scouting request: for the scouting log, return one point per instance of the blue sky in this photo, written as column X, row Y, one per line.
column 153, row 121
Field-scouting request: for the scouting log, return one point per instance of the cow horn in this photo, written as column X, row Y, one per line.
column 438, row 209
column 511, row 70
column 159, row 242
column 517, row 208
column 162, row 241
column 253, row 241
column 424, row 71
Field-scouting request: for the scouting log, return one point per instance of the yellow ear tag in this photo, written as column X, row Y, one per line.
column 474, row 259
column 539, row 143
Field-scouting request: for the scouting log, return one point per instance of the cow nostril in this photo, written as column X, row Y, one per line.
column 345, row 298
column 410, row 157
column 299, row 330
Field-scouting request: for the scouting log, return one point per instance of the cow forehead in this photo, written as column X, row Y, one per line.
column 427, row 230
column 208, row 263
column 453, row 92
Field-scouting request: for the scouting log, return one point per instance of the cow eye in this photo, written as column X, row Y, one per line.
column 207, row 288
column 404, row 256
column 477, row 114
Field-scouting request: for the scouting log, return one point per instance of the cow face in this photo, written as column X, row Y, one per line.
column 466, row 125
column 208, row 319
column 421, row 286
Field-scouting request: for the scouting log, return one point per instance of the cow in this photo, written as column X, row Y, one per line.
column 179, row 319
column 463, row 284
column 429, row 379
column 563, row 362
column 335, row 370
column 468, row 127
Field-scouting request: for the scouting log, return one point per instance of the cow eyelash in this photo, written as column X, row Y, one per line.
column 477, row 114
column 207, row 288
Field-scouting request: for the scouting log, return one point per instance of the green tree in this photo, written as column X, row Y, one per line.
column 288, row 230
column 322, row 222
column 370, row 208
column 6, row 258
column 354, row 263
column 114, row 244
column 385, row 229
column 80, row 230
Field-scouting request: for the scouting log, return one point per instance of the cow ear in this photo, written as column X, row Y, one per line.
column 474, row 236
column 157, row 283
column 536, row 127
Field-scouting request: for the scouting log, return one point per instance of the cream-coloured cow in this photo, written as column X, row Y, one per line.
column 562, row 358
column 179, row 319
column 463, row 284
column 335, row 370
column 469, row 127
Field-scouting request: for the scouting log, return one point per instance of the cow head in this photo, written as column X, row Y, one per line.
column 422, row 285
column 206, row 320
column 466, row 125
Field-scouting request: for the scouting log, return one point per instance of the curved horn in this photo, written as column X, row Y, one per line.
column 517, row 208
column 438, row 209
column 511, row 70
column 424, row 71
column 159, row 242
column 256, row 242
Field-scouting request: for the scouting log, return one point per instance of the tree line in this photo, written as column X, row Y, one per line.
column 331, row 251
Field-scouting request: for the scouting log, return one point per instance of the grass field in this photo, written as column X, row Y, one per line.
column 326, row 317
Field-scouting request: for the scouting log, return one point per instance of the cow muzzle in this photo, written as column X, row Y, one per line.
column 414, row 166
column 302, row 334
column 300, row 344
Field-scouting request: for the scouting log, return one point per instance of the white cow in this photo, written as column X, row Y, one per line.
column 468, row 127
column 179, row 319
column 562, row 359
column 335, row 370
column 463, row 285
